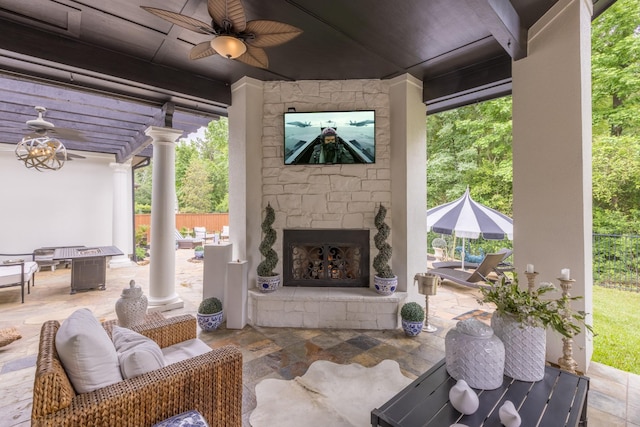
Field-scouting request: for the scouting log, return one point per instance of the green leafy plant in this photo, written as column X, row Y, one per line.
column 198, row 248
column 530, row 309
column 439, row 242
column 412, row 312
column 381, row 261
column 265, row 268
column 210, row 305
column 141, row 253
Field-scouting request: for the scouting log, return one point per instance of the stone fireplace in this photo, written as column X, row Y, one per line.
column 331, row 258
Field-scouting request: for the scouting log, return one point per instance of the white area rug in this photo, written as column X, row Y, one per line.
column 328, row 394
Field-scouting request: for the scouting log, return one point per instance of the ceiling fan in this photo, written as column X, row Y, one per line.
column 234, row 37
column 40, row 149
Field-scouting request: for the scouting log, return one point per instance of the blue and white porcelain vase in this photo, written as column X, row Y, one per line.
column 210, row 322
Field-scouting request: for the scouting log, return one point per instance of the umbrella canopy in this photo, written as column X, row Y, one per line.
column 469, row 219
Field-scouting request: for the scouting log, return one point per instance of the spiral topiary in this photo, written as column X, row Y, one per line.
column 265, row 268
column 381, row 261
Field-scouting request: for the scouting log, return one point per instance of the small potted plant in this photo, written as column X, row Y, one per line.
column 268, row 280
column 210, row 314
column 384, row 280
column 198, row 252
column 412, row 315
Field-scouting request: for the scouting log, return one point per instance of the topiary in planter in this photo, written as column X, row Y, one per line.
column 412, row 312
column 265, row 268
column 381, row 261
column 210, row 314
column 412, row 317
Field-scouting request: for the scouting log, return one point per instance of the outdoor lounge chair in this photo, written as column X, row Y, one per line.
column 474, row 278
column 187, row 242
column 18, row 272
column 502, row 266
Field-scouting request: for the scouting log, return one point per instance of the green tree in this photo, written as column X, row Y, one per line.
column 194, row 195
column 616, row 118
column 471, row 146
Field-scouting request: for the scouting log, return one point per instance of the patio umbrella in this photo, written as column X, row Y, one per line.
column 469, row 219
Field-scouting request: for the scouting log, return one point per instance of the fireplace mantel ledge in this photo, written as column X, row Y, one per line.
column 330, row 307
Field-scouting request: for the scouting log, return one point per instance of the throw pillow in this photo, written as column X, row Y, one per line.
column 86, row 352
column 137, row 354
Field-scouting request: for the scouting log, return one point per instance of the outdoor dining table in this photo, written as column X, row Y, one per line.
column 88, row 265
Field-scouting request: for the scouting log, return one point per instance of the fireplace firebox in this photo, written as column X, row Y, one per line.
column 338, row 258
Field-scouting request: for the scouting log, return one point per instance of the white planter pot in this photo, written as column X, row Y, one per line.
column 385, row 286
column 525, row 348
column 131, row 307
column 268, row 283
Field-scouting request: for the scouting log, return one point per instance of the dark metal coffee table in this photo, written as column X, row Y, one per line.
column 559, row 399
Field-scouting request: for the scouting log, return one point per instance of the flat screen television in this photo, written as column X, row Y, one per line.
column 329, row 137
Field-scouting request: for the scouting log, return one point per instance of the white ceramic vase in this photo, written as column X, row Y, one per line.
column 525, row 348
column 475, row 354
column 131, row 307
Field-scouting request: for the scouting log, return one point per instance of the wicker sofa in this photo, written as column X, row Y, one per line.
column 210, row 383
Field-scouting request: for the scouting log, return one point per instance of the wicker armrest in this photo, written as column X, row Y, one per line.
column 210, row 383
column 165, row 332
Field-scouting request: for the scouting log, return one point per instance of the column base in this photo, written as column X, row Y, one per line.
column 156, row 308
column 120, row 262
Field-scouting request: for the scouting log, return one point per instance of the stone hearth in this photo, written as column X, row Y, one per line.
column 350, row 308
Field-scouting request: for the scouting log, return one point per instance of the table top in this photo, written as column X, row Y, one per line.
column 86, row 252
column 559, row 399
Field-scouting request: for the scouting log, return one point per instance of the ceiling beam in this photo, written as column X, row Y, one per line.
column 57, row 58
column 489, row 80
column 502, row 20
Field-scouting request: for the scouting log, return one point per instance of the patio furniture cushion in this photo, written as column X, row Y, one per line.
column 10, row 274
column 184, row 350
column 86, row 352
column 137, row 354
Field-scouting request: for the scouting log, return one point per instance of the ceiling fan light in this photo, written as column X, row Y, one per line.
column 228, row 46
column 41, row 153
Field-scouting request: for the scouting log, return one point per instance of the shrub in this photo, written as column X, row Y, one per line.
column 265, row 268
column 210, row 306
column 198, row 248
column 412, row 312
column 381, row 261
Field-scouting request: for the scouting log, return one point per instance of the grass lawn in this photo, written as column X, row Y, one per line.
column 616, row 319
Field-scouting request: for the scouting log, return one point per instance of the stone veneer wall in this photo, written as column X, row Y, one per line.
column 331, row 196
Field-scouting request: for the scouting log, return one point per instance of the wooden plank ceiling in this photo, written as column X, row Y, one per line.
column 110, row 69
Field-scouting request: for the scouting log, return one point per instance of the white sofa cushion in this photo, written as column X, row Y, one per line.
column 137, row 354
column 86, row 352
column 184, row 350
column 10, row 275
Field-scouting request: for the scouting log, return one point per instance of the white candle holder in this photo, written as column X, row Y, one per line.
column 531, row 280
column 567, row 362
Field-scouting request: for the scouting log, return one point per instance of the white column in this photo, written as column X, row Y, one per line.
column 122, row 211
column 245, row 177
column 552, row 158
column 236, row 294
column 162, row 273
column 408, row 181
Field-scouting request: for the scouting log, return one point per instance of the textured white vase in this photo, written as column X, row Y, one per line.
column 132, row 306
column 525, row 348
column 475, row 354
column 463, row 398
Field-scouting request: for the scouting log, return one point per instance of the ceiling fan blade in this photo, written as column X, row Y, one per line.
column 231, row 10
column 254, row 56
column 70, row 134
column 202, row 50
column 270, row 33
column 182, row 20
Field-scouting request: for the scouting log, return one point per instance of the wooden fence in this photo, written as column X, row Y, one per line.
column 211, row 221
